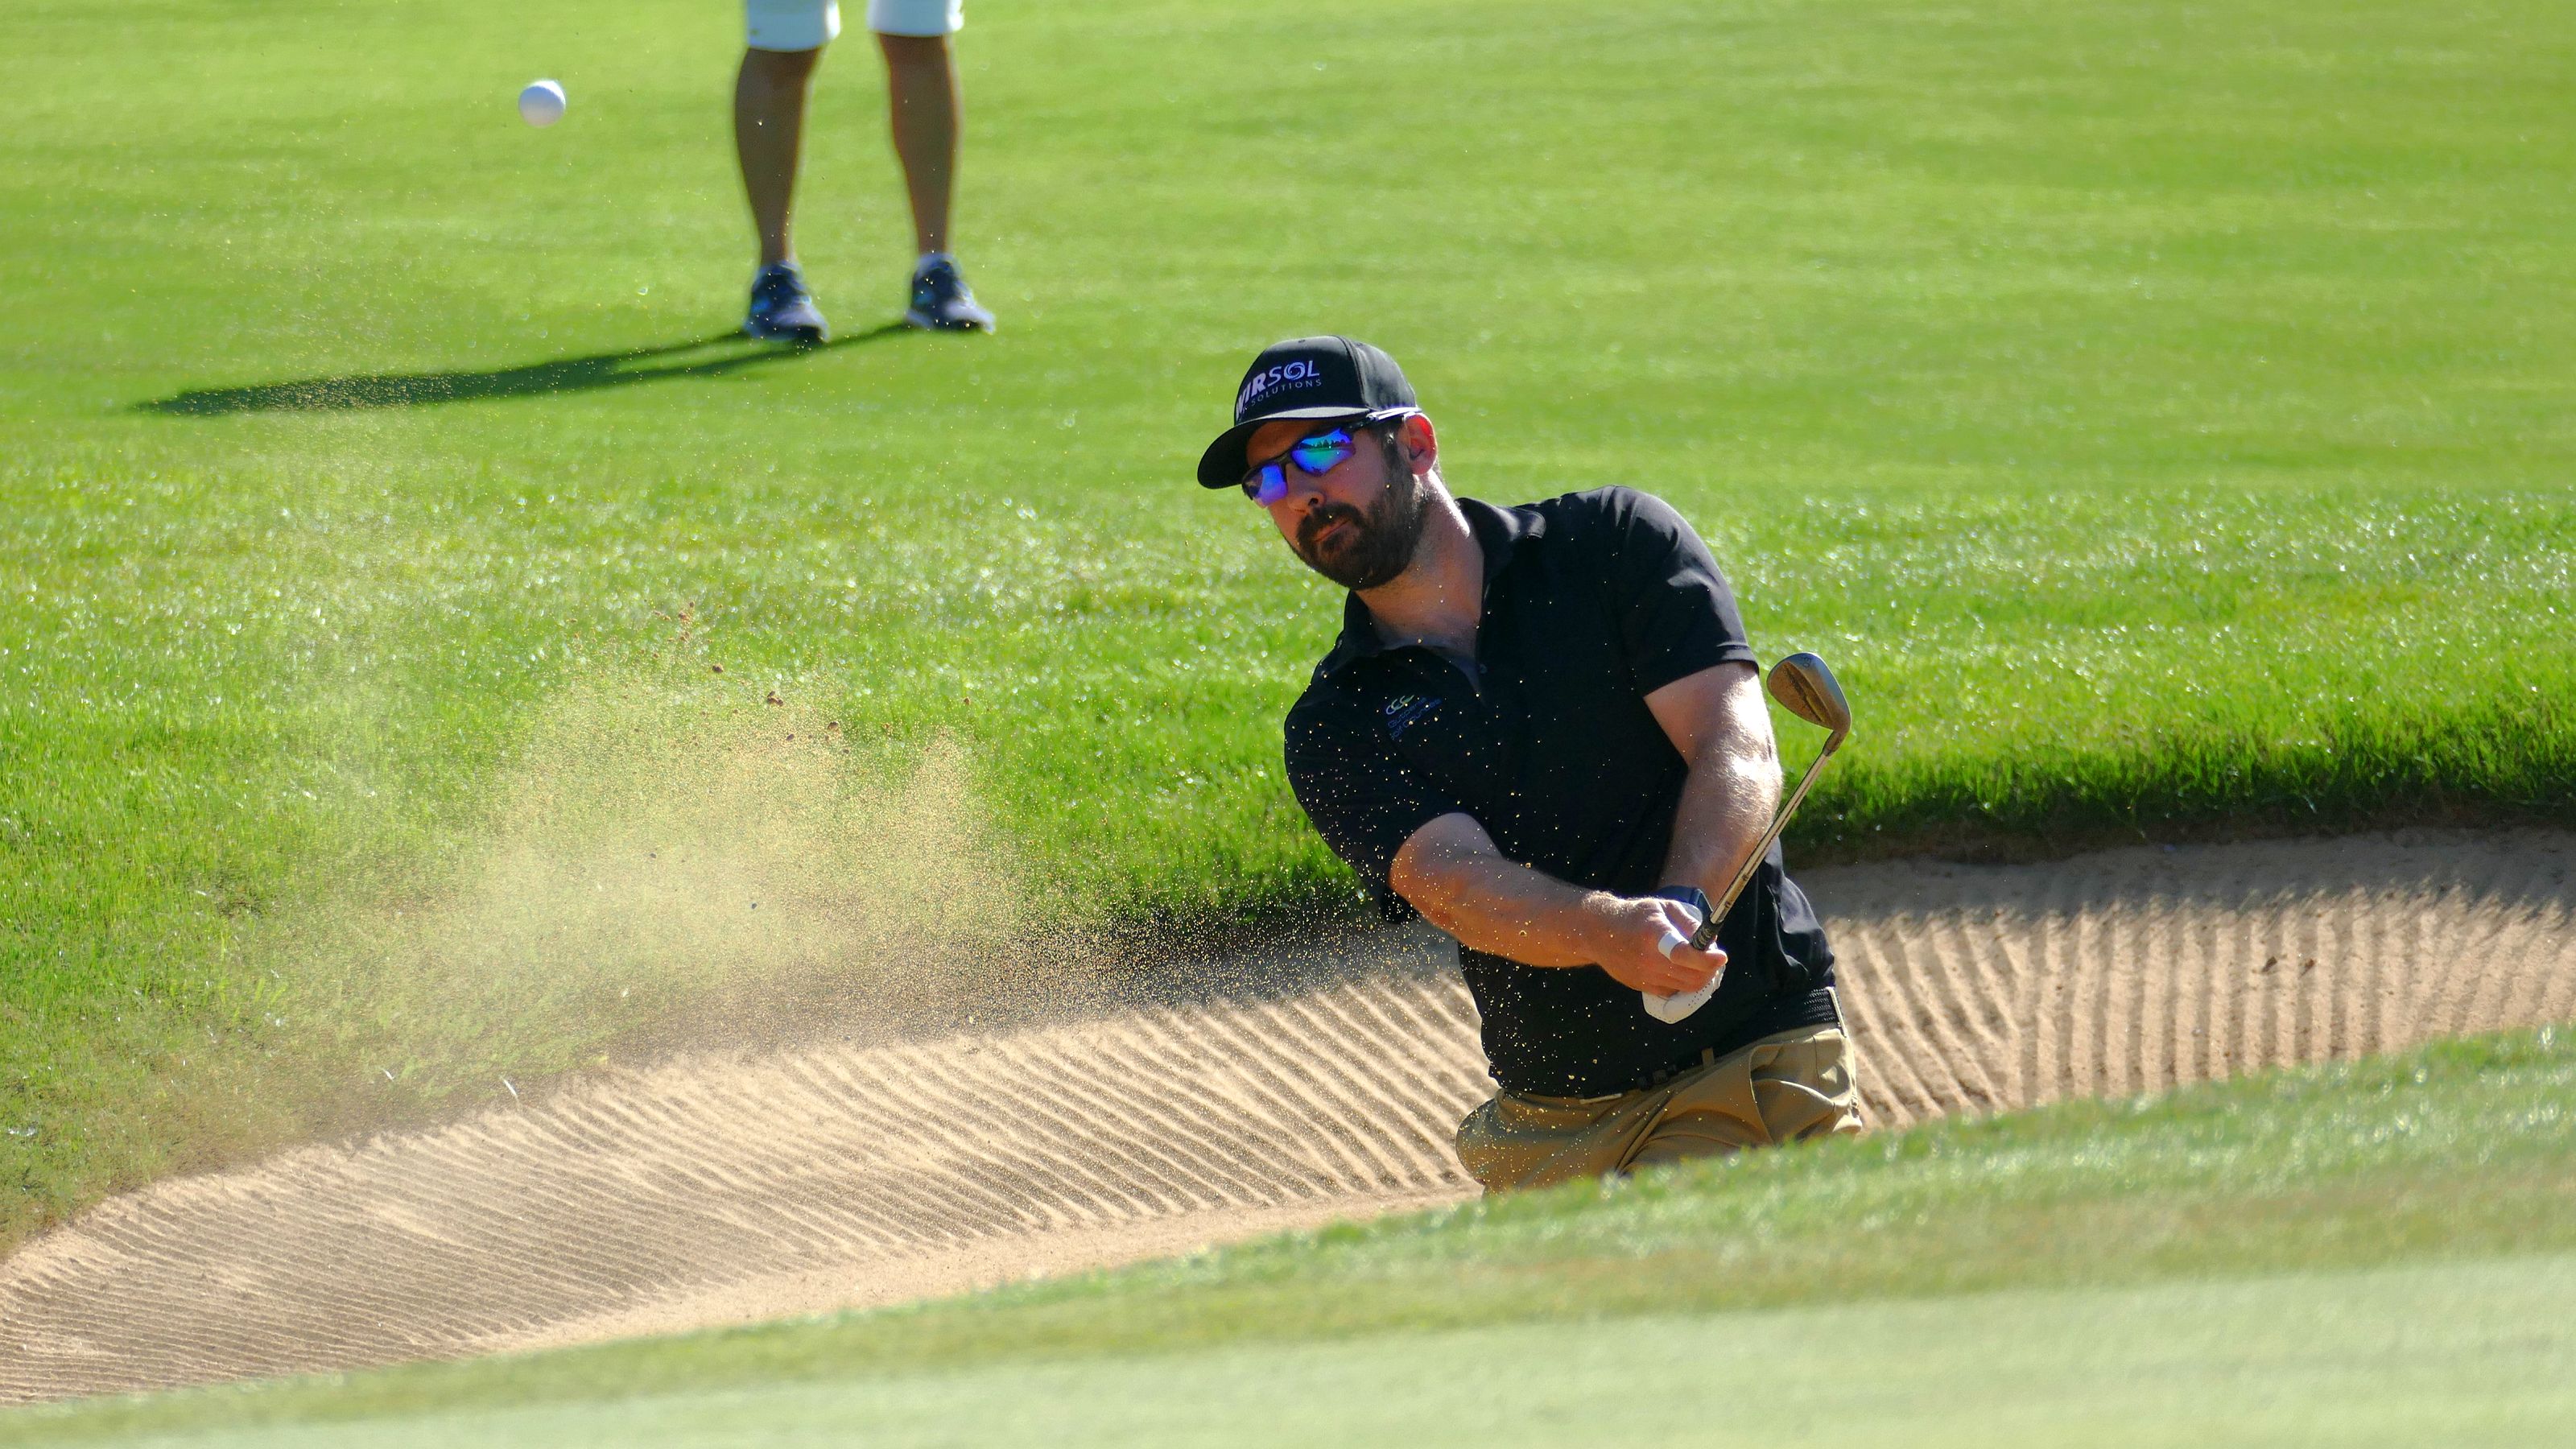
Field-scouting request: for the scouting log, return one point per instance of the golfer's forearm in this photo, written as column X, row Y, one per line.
column 1726, row 802
column 1517, row 913
column 1718, row 723
column 1454, row 876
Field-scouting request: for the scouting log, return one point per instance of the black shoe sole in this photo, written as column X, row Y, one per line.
column 924, row 322
column 801, row 336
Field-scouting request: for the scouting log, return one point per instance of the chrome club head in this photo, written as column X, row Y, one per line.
column 1803, row 684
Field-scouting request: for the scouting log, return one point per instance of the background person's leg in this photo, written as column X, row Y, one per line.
column 768, row 134
column 924, row 108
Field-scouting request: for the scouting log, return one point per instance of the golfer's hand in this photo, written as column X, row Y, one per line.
column 1629, row 937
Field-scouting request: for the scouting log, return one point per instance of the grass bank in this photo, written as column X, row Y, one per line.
column 2305, row 1250
column 2387, row 1357
column 2157, row 414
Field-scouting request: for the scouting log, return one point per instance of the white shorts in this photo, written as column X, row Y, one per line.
column 811, row 24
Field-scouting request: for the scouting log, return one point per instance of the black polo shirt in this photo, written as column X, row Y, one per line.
column 1592, row 602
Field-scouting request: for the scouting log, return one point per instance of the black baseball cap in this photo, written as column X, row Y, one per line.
column 1309, row 377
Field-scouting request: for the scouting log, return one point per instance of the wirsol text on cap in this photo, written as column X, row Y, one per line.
column 1285, row 375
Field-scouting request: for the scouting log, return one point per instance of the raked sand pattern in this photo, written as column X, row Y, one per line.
column 729, row 1189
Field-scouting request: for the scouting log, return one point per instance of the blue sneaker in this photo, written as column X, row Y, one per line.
column 942, row 303
column 781, row 309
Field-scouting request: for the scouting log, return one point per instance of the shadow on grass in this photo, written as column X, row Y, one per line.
column 726, row 352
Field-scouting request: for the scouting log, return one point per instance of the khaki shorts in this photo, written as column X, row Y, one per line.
column 1784, row 1088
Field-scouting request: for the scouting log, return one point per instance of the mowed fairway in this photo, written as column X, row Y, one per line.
column 2159, row 415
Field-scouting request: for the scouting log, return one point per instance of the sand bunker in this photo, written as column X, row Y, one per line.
column 727, row 1189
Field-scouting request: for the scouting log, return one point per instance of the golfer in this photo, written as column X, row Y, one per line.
column 785, row 40
column 1542, row 730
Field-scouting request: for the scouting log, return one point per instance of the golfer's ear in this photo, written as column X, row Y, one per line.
column 1421, row 442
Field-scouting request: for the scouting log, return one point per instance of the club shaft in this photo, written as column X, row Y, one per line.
column 1707, row 931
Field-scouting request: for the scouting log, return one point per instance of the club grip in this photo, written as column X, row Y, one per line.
column 1697, row 900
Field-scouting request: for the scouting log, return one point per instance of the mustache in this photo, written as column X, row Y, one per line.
column 1323, row 518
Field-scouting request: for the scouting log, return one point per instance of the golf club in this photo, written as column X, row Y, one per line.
column 1806, row 687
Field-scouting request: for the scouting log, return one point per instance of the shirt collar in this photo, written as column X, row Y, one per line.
column 1500, row 534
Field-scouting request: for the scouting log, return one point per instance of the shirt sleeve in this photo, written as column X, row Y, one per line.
column 1360, row 796
column 1676, row 614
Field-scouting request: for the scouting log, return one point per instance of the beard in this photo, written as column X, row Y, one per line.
column 1368, row 548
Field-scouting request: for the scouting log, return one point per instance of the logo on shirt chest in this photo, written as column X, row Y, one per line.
column 1407, row 710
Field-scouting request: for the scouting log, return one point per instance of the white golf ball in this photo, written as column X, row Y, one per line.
column 542, row 103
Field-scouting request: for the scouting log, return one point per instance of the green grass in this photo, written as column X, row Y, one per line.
column 2477, row 1353
column 2158, row 413
column 2349, row 1253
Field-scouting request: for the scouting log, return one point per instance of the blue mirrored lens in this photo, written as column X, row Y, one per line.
column 1313, row 456
column 1323, row 452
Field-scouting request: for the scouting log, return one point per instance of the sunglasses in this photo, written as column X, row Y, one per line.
column 1314, row 455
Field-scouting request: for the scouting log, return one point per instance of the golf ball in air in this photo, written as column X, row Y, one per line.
column 542, row 103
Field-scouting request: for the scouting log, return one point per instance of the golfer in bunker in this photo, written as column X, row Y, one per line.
column 1542, row 729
